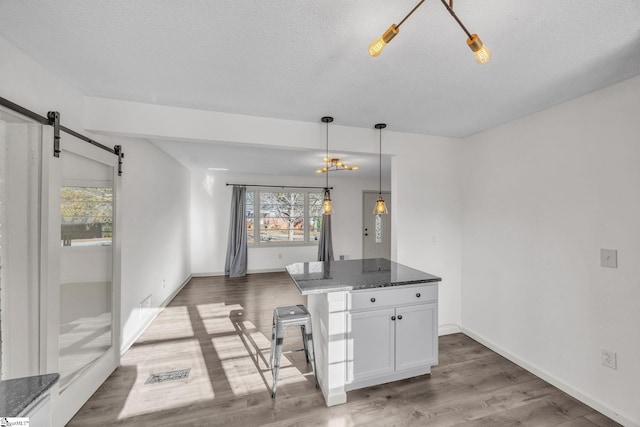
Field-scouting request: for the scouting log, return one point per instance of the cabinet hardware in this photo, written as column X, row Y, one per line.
column 418, row 295
column 393, row 317
column 400, row 317
column 373, row 300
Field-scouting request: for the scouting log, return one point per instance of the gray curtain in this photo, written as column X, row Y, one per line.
column 236, row 263
column 325, row 246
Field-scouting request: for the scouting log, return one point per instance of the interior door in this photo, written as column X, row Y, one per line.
column 376, row 235
column 81, row 269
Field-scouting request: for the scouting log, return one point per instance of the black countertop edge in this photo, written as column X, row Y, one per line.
column 17, row 394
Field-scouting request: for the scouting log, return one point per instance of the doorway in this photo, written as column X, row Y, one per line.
column 376, row 235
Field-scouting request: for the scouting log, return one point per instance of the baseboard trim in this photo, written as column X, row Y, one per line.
column 577, row 394
column 448, row 329
column 147, row 322
column 265, row 270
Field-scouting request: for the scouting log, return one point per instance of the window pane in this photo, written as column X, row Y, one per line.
column 87, row 215
column 249, row 216
column 315, row 215
column 281, row 216
column 378, row 228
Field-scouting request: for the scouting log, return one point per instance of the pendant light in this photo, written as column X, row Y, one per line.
column 381, row 207
column 327, row 206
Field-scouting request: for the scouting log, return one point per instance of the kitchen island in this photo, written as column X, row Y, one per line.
column 374, row 321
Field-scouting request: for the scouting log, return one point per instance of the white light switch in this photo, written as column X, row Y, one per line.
column 609, row 258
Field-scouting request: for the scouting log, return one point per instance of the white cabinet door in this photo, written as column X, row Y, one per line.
column 415, row 332
column 373, row 336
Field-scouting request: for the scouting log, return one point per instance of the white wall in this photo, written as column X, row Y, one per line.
column 542, row 195
column 427, row 222
column 210, row 206
column 155, row 202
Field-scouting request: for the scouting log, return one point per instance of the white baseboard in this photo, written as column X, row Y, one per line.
column 219, row 273
column 155, row 312
column 448, row 329
column 577, row 394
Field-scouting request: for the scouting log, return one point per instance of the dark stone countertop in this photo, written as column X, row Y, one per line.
column 17, row 394
column 351, row 275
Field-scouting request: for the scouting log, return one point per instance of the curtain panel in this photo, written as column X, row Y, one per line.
column 236, row 262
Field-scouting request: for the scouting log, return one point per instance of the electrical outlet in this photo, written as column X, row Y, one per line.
column 609, row 359
column 609, row 258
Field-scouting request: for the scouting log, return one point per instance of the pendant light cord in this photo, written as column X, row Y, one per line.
column 380, row 163
column 327, row 157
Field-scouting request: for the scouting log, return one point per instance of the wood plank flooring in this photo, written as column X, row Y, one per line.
column 220, row 328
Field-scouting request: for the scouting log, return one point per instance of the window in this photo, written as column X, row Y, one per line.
column 285, row 218
column 87, row 216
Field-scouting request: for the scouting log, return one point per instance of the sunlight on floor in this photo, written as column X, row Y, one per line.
column 149, row 398
column 231, row 357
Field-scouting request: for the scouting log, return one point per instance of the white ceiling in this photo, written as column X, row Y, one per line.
column 271, row 161
column 305, row 59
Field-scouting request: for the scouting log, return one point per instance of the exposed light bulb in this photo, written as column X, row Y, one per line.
column 378, row 45
column 327, row 206
column 481, row 53
column 381, row 207
column 319, row 171
column 355, row 168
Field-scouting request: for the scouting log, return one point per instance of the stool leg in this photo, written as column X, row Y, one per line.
column 311, row 354
column 275, row 366
column 273, row 344
column 304, row 342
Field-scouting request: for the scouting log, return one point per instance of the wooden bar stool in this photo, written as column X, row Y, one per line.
column 283, row 317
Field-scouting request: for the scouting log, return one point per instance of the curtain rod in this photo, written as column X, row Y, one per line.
column 280, row 186
column 53, row 119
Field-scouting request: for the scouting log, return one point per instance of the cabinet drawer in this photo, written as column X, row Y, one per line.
column 393, row 296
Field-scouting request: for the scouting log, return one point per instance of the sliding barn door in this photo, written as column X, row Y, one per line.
column 81, row 264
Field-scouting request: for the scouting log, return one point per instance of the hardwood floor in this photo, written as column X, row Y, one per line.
column 220, row 328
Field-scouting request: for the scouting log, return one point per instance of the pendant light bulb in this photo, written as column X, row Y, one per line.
column 327, row 206
column 481, row 53
column 378, row 45
column 381, row 206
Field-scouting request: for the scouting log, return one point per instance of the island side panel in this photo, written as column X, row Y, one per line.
column 329, row 317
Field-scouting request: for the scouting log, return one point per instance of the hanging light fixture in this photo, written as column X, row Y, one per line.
column 381, row 207
column 327, row 206
column 333, row 163
column 481, row 52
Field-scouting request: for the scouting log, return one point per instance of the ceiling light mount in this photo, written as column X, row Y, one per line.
column 481, row 52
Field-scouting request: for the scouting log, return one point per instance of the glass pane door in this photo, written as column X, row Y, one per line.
column 86, row 265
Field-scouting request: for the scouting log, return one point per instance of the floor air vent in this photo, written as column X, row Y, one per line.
column 168, row 376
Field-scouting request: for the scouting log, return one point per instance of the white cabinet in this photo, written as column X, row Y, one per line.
column 392, row 334
column 373, row 339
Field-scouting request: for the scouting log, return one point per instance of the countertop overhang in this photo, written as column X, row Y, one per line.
column 318, row 277
column 17, row 394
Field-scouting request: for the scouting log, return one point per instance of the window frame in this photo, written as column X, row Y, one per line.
column 257, row 241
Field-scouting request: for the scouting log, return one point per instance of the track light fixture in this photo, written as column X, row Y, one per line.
column 481, row 52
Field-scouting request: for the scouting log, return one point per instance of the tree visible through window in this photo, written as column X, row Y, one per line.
column 283, row 216
column 86, row 216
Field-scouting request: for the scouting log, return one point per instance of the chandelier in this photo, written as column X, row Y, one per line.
column 333, row 163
